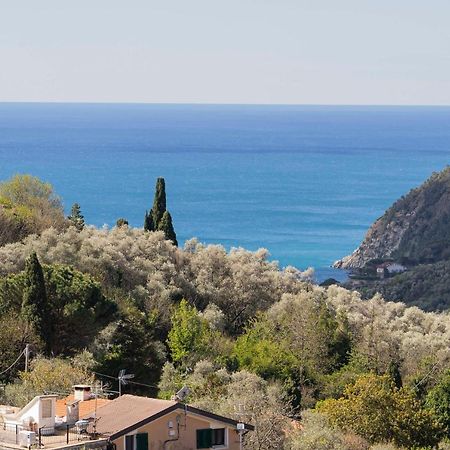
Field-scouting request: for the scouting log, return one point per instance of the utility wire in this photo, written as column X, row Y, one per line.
column 428, row 374
column 128, row 381
column 13, row 364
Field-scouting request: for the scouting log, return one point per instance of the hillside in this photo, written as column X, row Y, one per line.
column 230, row 325
column 414, row 230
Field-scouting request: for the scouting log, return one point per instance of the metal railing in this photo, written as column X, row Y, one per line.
column 47, row 437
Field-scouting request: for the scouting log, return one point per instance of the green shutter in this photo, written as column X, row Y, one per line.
column 142, row 441
column 204, row 438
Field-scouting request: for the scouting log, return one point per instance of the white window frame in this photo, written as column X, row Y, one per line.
column 134, row 433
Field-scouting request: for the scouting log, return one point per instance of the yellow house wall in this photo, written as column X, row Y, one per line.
column 158, row 432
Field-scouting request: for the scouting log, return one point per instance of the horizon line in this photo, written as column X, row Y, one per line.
column 350, row 105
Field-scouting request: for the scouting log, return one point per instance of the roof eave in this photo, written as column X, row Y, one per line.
column 172, row 408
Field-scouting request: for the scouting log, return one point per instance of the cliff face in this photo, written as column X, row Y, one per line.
column 415, row 228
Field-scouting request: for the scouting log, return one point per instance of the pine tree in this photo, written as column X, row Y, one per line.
column 166, row 225
column 159, row 203
column 76, row 217
column 148, row 221
column 122, row 222
column 34, row 300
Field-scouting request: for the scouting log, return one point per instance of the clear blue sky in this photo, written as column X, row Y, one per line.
column 226, row 51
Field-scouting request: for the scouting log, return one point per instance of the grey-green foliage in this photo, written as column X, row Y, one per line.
column 314, row 433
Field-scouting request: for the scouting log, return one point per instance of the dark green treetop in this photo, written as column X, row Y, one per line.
column 159, row 219
column 148, row 221
column 166, row 226
column 76, row 218
column 393, row 371
column 122, row 222
column 34, row 300
column 159, row 202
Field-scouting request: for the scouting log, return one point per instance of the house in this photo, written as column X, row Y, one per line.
column 389, row 268
column 140, row 423
column 79, row 404
column 38, row 413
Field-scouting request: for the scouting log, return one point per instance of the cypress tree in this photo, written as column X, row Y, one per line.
column 76, row 218
column 159, row 203
column 394, row 372
column 148, row 221
column 166, row 226
column 34, row 300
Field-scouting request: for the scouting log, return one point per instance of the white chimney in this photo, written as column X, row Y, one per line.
column 82, row 392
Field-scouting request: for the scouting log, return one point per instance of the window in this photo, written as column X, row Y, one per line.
column 204, row 438
column 129, row 442
column 211, row 437
column 218, row 436
column 46, row 409
column 142, row 441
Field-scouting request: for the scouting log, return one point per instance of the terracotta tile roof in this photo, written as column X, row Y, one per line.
column 86, row 407
column 128, row 410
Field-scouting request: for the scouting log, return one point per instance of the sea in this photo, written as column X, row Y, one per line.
column 304, row 182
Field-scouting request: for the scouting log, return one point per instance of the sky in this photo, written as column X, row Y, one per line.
column 226, row 51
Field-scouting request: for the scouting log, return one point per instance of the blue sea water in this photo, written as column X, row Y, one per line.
column 303, row 181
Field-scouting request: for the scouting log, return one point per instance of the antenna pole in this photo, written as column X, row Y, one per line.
column 27, row 356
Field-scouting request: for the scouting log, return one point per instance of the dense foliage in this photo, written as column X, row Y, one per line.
column 312, row 367
column 426, row 286
column 27, row 205
column 415, row 232
column 375, row 409
column 159, row 219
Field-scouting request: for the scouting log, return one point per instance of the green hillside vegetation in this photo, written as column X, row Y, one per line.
column 426, row 286
column 415, row 232
column 27, row 206
column 252, row 341
column 427, row 238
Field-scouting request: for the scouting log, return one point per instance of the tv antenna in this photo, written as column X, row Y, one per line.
column 123, row 379
column 182, row 394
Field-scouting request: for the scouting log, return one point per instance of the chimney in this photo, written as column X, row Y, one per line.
column 82, row 392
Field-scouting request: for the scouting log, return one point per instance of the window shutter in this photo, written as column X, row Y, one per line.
column 142, row 441
column 204, row 438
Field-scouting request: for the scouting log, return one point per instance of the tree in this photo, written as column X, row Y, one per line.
column 373, row 408
column 394, row 373
column 130, row 344
column 78, row 308
column 187, row 334
column 46, row 374
column 148, row 221
column 34, row 302
column 159, row 219
column 166, row 226
column 76, row 218
column 438, row 400
column 122, row 222
column 28, row 206
column 15, row 333
column 159, row 202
